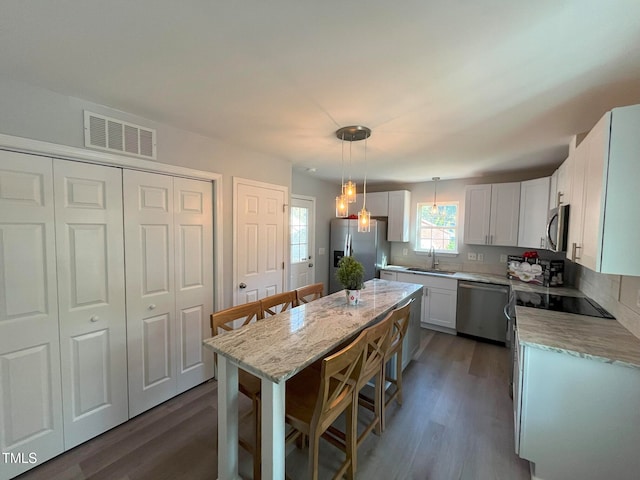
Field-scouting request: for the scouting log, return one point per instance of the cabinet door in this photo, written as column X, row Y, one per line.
column 553, row 190
column 377, row 204
column 594, row 181
column 151, row 308
column 565, row 181
column 90, row 252
column 398, row 224
column 440, row 307
column 193, row 232
column 576, row 214
column 477, row 212
column 532, row 226
column 30, row 391
column 505, row 212
column 387, row 275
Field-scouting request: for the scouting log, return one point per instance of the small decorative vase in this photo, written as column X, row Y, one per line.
column 353, row 297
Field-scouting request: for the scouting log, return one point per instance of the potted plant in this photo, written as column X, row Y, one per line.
column 351, row 275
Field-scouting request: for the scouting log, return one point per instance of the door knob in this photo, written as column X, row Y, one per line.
column 243, row 285
column 310, row 265
column 94, row 318
column 152, row 306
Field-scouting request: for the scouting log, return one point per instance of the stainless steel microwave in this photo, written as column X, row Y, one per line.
column 558, row 228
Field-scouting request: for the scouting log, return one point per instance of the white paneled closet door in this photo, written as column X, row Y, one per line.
column 193, row 227
column 169, row 257
column 90, row 250
column 149, row 240
column 30, row 392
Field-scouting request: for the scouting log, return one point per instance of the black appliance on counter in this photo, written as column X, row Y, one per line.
column 561, row 303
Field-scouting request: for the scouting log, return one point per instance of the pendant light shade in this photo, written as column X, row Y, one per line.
column 350, row 191
column 434, row 208
column 342, row 206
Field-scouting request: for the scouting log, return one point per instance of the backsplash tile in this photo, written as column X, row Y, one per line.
column 606, row 290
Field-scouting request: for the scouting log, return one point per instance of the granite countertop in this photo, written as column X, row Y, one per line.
column 599, row 339
column 278, row 347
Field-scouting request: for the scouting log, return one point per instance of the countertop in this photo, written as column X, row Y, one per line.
column 278, row 347
column 594, row 338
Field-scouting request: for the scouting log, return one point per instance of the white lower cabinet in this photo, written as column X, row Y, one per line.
column 65, row 326
column 439, row 300
column 577, row 418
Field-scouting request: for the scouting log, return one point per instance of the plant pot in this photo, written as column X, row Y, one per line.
column 353, row 297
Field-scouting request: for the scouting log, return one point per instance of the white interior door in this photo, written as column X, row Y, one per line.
column 90, row 251
column 302, row 226
column 259, row 226
column 30, row 388
column 149, row 246
column 193, row 229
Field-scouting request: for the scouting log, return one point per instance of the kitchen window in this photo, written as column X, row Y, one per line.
column 437, row 229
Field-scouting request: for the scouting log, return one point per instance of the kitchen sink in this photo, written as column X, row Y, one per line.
column 427, row 270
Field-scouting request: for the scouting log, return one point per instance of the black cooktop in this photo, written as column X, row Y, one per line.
column 561, row 303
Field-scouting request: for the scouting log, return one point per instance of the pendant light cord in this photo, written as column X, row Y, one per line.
column 364, row 201
column 342, row 184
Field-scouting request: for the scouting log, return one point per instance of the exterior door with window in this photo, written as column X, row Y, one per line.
column 301, row 240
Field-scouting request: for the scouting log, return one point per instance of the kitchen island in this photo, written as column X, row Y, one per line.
column 277, row 348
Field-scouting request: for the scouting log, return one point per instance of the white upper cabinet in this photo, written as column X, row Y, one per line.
column 534, row 198
column 377, row 204
column 553, row 190
column 491, row 214
column 398, row 223
column 605, row 206
column 564, row 182
column 394, row 205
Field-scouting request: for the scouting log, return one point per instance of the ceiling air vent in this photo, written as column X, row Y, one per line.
column 115, row 135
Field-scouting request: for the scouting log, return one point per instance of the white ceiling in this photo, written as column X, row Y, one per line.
column 450, row 88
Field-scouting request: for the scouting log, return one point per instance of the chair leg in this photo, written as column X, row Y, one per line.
column 314, row 452
column 351, row 440
column 381, row 398
column 377, row 409
column 257, row 451
column 399, row 376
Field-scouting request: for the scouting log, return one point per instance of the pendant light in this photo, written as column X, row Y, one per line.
column 434, row 208
column 353, row 133
column 364, row 216
column 342, row 204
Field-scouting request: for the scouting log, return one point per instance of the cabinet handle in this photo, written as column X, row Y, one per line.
column 490, row 239
column 94, row 318
column 559, row 201
column 575, row 248
column 243, row 285
column 486, row 239
column 541, row 242
column 426, row 292
column 152, row 306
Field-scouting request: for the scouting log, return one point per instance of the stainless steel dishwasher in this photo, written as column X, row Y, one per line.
column 480, row 311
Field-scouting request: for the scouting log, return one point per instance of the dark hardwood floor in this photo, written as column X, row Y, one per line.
column 456, row 423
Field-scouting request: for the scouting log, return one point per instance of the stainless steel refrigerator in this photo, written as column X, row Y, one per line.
column 371, row 249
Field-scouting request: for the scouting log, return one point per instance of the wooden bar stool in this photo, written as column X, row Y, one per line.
column 248, row 384
column 315, row 399
column 399, row 319
column 277, row 303
column 309, row 293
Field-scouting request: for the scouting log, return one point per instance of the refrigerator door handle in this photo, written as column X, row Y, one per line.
column 347, row 245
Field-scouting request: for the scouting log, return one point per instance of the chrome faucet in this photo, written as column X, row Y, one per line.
column 434, row 261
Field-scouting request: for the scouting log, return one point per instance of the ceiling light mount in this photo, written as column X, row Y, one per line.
column 353, row 133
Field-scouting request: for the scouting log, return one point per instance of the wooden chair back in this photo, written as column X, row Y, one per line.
column 224, row 319
column 400, row 319
column 377, row 339
column 309, row 293
column 339, row 375
column 277, row 303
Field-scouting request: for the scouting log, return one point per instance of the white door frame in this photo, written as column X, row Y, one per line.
column 312, row 239
column 49, row 150
column 285, row 230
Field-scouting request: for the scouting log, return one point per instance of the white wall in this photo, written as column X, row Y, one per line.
column 39, row 114
column 325, row 194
